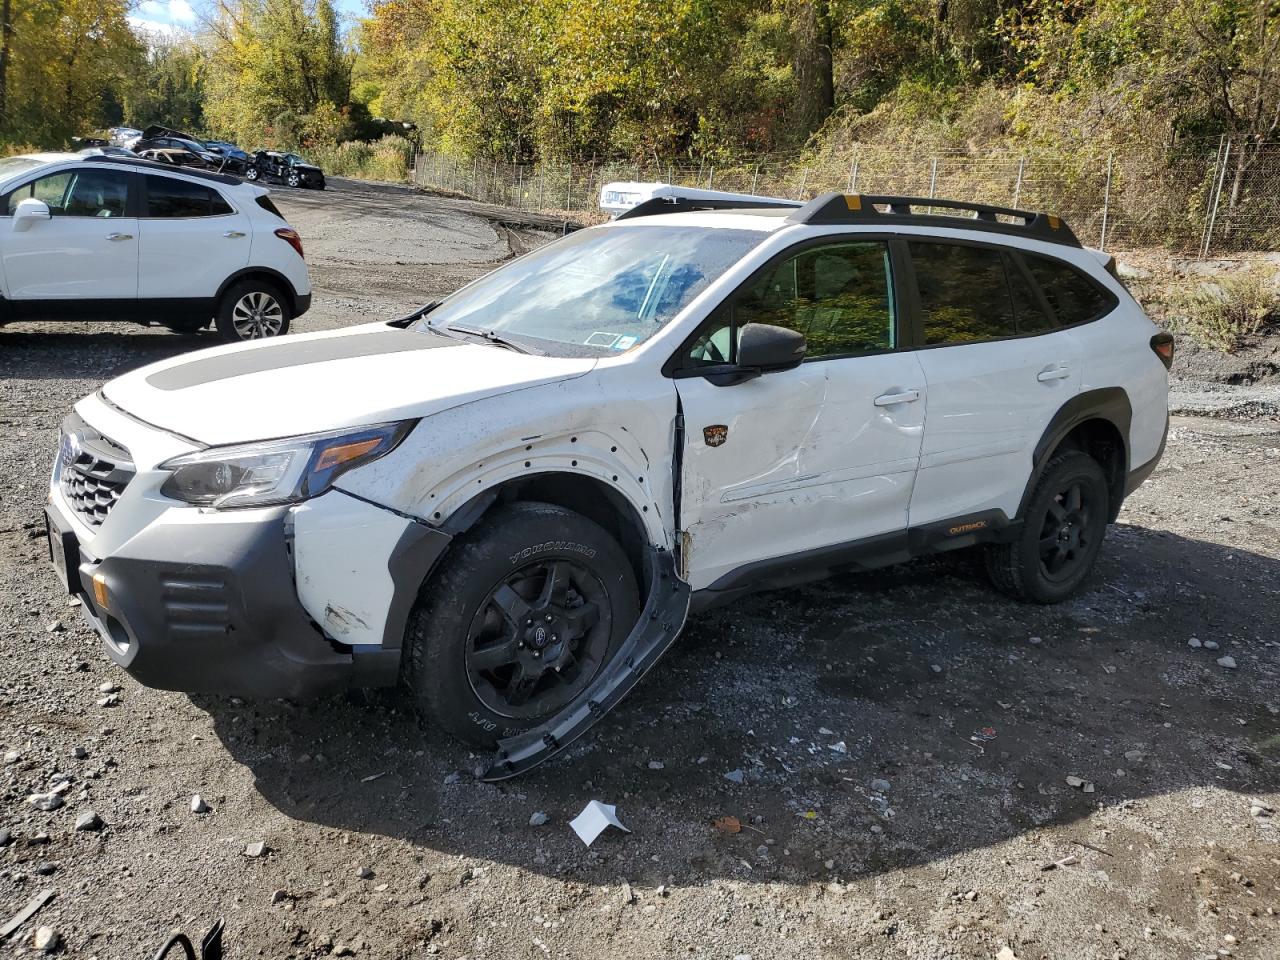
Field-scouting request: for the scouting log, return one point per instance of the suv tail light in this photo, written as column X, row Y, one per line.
column 1162, row 344
column 290, row 236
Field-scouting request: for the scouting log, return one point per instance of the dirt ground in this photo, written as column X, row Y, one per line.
column 928, row 770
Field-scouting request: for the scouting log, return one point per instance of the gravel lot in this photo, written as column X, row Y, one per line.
column 927, row 770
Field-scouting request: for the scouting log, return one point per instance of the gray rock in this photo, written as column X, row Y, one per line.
column 881, row 786
column 110, row 700
column 89, row 820
column 279, row 896
column 735, row 776
column 452, row 778
column 198, row 805
column 1211, row 644
column 11, row 756
column 55, row 627
column 108, row 686
column 46, row 869
column 45, row 801
column 656, row 765
column 1227, row 662
column 80, row 753
column 6, row 836
column 538, row 819
column 47, row 939
column 1194, row 643
column 936, row 668
column 1076, row 782
column 255, row 849
column 365, row 873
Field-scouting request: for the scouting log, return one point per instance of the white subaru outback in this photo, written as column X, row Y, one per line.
column 512, row 499
column 94, row 237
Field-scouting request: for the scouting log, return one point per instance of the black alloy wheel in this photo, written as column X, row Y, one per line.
column 538, row 638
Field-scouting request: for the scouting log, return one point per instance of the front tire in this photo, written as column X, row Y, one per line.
column 531, row 606
column 294, row 180
column 253, row 310
column 1061, row 536
column 251, row 174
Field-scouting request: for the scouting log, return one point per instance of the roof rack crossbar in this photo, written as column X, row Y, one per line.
column 660, row 205
column 838, row 208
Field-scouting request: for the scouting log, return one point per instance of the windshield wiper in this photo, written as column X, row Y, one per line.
column 490, row 335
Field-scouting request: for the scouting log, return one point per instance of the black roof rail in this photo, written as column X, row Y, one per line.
column 854, row 208
column 659, row 205
column 164, row 168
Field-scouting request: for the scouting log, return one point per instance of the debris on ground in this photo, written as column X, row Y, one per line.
column 594, row 819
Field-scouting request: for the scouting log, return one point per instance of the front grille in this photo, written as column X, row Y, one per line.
column 94, row 471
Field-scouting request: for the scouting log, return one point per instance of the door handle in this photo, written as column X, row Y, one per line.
column 889, row 399
column 1053, row 373
column 119, row 236
column 233, row 234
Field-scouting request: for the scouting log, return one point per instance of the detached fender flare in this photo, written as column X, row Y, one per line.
column 1105, row 403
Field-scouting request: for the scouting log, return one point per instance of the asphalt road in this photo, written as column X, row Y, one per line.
column 904, row 738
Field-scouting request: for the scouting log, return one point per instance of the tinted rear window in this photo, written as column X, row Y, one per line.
column 964, row 294
column 171, row 198
column 265, row 203
column 1073, row 296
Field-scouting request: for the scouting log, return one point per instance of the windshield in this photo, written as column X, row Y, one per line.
column 595, row 291
column 12, row 166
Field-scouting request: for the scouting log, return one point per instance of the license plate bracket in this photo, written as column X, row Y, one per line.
column 64, row 554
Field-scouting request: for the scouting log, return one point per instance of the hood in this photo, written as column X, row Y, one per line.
column 324, row 381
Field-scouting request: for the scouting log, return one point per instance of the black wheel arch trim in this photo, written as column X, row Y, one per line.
column 298, row 303
column 1110, row 404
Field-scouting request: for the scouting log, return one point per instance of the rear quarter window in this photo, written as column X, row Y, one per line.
column 1073, row 297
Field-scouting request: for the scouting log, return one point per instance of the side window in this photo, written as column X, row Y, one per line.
column 839, row 295
column 168, row 197
column 1030, row 314
column 77, row 193
column 1073, row 297
column 964, row 293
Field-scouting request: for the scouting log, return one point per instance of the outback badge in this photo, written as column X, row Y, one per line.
column 716, row 434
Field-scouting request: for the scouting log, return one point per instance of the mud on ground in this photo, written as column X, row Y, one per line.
column 905, row 739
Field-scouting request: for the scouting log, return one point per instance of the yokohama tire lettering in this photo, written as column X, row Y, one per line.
column 539, row 548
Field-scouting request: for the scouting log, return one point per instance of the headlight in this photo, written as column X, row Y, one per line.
column 277, row 471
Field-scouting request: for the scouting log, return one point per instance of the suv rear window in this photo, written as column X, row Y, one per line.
column 265, row 203
column 1073, row 296
column 168, row 197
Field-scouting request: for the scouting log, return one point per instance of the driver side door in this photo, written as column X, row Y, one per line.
column 797, row 465
column 81, row 261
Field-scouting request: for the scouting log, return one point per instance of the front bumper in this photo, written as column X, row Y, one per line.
column 212, row 607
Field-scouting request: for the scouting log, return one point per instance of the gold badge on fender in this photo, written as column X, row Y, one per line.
column 715, row 435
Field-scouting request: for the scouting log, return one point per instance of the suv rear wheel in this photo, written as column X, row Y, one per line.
column 531, row 606
column 252, row 310
column 1062, row 533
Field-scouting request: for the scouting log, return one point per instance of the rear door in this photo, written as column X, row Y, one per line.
column 998, row 368
column 85, row 256
column 798, row 461
column 192, row 239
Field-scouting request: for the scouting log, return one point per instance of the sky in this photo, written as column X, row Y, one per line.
column 173, row 17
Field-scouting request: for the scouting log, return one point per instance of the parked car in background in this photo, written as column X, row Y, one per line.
column 287, row 168
column 117, row 238
column 123, row 136
column 162, row 138
column 107, row 151
column 237, row 159
column 512, row 499
column 178, row 157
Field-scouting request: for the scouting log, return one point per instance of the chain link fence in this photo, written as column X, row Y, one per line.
column 1216, row 199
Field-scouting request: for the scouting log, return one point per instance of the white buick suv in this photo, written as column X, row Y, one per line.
column 118, row 238
column 512, row 499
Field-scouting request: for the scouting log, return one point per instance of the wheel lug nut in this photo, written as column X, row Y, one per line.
column 548, row 618
column 536, row 654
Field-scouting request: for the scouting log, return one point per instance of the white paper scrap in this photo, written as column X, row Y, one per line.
column 595, row 816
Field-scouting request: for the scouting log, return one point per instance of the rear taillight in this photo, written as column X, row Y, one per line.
column 1162, row 344
column 290, row 236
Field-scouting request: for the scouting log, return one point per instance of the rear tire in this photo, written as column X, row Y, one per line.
column 497, row 643
column 1062, row 533
column 253, row 310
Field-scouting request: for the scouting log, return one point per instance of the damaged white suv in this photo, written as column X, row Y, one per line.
column 512, row 499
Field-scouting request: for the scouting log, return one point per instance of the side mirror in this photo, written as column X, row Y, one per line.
column 768, row 348
column 28, row 212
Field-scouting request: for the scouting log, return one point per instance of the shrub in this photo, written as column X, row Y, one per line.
column 386, row 159
column 1221, row 313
